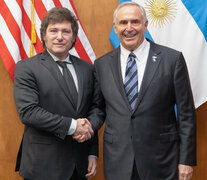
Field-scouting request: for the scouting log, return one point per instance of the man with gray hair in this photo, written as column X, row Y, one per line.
column 140, row 83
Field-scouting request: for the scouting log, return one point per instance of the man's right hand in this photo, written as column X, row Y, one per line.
column 83, row 131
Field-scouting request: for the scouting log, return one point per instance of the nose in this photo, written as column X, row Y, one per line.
column 129, row 26
column 59, row 35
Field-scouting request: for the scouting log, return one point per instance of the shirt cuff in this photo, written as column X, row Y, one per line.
column 93, row 156
column 73, row 127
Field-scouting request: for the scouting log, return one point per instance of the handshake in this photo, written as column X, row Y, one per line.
column 83, row 130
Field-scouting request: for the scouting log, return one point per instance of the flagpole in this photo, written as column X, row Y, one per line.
column 33, row 33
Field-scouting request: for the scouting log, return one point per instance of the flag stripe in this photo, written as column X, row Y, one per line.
column 82, row 36
column 27, row 26
column 74, row 11
column 198, row 11
column 9, row 40
column 57, row 3
column 25, row 21
column 40, row 9
column 7, row 58
column 25, row 30
column 81, row 51
column 48, row 4
column 14, row 28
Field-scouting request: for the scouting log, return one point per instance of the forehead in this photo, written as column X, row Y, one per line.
column 63, row 24
column 129, row 12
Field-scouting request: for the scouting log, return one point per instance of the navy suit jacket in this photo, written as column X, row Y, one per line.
column 46, row 109
column 150, row 134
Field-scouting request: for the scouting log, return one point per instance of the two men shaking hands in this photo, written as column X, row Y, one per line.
column 83, row 131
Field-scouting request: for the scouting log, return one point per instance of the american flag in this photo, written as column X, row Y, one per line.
column 16, row 37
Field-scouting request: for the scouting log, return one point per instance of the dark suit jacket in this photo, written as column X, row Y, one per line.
column 150, row 134
column 45, row 108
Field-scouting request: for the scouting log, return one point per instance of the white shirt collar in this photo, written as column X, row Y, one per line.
column 141, row 53
column 138, row 52
column 55, row 58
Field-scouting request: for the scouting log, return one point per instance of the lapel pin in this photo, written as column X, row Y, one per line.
column 154, row 57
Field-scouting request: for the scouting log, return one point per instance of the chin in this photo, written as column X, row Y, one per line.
column 58, row 51
column 130, row 47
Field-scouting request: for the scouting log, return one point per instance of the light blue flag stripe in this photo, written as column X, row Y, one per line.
column 147, row 35
column 113, row 37
column 197, row 9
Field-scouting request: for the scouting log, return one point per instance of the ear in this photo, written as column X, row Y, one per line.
column 145, row 25
column 44, row 37
column 115, row 28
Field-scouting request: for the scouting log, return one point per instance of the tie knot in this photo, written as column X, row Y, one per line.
column 62, row 63
column 132, row 56
column 131, row 59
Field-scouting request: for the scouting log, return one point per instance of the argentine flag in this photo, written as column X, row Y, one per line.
column 182, row 25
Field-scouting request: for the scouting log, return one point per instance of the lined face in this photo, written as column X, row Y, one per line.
column 130, row 27
column 59, row 39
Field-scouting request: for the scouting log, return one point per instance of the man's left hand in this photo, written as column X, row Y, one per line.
column 92, row 165
column 185, row 172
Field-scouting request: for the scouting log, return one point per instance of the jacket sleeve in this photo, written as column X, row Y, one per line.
column 93, row 145
column 26, row 96
column 97, row 111
column 186, row 115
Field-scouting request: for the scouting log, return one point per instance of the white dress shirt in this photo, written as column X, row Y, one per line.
column 141, row 53
column 71, row 68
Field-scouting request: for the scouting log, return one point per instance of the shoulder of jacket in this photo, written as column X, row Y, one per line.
column 106, row 56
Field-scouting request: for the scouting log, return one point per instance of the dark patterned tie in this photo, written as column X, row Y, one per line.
column 69, row 81
column 131, row 80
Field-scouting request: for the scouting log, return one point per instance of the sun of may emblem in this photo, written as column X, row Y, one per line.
column 160, row 12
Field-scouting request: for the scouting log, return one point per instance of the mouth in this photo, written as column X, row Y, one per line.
column 129, row 36
column 59, row 44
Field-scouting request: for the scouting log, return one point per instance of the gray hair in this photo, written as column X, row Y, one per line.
column 129, row 3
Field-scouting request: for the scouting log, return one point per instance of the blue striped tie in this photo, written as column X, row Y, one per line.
column 131, row 80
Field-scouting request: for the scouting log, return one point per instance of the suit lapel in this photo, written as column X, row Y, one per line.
column 52, row 67
column 153, row 61
column 116, row 71
column 80, row 77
